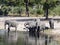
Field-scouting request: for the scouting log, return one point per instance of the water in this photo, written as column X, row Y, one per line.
column 25, row 38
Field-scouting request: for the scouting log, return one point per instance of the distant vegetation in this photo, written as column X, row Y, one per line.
column 35, row 7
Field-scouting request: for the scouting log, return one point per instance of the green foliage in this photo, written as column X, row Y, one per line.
column 15, row 6
column 32, row 11
column 36, row 10
column 57, row 10
column 39, row 11
column 13, row 9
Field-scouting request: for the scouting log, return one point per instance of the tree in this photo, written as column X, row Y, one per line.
column 45, row 8
column 27, row 10
column 47, row 5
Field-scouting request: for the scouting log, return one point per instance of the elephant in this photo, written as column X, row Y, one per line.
column 11, row 24
column 35, row 25
column 51, row 23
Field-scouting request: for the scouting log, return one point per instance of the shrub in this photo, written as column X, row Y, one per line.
column 39, row 11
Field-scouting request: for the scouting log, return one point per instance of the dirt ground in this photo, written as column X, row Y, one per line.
column 1, row 25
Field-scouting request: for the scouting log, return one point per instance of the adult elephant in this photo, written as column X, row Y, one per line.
column 35, row 25
column 11, row 24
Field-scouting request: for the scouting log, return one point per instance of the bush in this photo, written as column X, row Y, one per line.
column 5, row 10
column 39, row 11
column 36, row 11
column 32, row 11
column 55, row 11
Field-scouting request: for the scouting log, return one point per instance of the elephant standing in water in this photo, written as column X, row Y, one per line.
column 10, row 24
column 51, row 23
column 35, row 25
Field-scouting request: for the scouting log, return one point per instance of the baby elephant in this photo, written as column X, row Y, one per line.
column 11, row 24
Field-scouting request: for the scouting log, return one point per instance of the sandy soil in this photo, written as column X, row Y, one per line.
column 1, row 25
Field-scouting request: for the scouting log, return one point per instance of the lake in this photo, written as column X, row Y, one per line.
column 25, row 38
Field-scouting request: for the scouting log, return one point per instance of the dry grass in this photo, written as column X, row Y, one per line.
column 24, row 15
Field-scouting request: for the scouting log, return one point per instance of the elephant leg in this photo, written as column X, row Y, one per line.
column 9, row 28
column 38, row 29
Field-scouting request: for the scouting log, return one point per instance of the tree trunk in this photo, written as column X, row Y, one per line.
column 27, row 10
column 47, row 9
column 46, row 13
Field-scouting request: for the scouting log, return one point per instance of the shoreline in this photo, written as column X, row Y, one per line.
column 21, row 23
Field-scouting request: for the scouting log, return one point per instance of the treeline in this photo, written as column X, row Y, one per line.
column 35, row 7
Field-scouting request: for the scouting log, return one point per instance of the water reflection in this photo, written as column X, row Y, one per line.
column 25, row 38
column 10, row 38
column 34, row 34
column 39, row 39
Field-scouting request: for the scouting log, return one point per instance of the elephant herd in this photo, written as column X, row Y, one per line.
column 35, row 25
column 38, row 25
